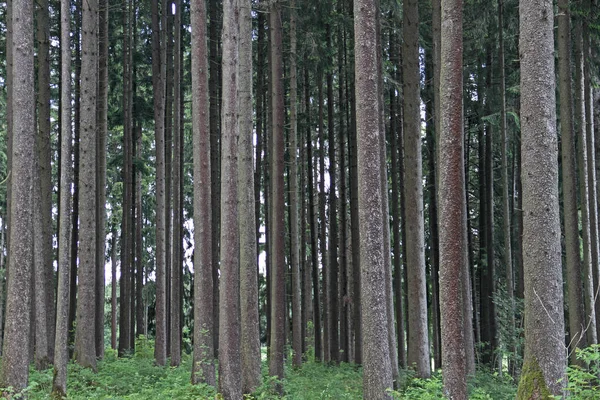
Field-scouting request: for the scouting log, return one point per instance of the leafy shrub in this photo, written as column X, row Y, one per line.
column 582, row 380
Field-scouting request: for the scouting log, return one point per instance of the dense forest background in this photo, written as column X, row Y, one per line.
column 403, row 186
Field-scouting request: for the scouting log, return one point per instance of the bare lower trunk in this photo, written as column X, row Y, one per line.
column 377, row 375
column 203, row 368
column 544, row 318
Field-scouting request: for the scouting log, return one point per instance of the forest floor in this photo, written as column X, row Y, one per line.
column 138, row 378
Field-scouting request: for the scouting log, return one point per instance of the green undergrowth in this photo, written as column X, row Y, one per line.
column 483, row 386
column 138, row 378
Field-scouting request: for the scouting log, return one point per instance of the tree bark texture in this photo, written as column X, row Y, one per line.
column 85, row 343
column 451, row 197
column 544, row 319
column 276, row 354
column 203, row 368
column 377, row 372
column 160, row 350
column 61, row 355
column 14, row 371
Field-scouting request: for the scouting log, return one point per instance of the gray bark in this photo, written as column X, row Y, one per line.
column 85, row 343
column 61, row 355
column 230, row 382
column 160, row 350
column 14, row 371
column 276, row 354
column 294, row 222
column 569, row 169
column 177, row 245
column 590, row 275
column 42, row 192
column 377, row 372
column 250, row 340
column 544, row 319
column 102, row 127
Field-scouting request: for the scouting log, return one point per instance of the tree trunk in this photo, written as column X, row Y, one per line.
column 14, row 371
column 61, row 356
column 113, row 295
column 577, row 337
column 276, row 351
column 76, row 135
column 418, row 340
column 85, row 343
column 591, row 155
column 582, row 160
column 452, row 202
column 215, row 154
column 126, row 237
column 45, row 316
column 101, row 137
column 203, row 368
column 250, row 332
column 544, row 319
column 230, row 383
column 332, row 265
column 313, row 225
column 377, row 372
column 295, row 245
column 160, row 350
column 177, row 245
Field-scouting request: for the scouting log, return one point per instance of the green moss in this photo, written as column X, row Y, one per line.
column 532, row 385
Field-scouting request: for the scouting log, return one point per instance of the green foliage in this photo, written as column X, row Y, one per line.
column 483, row 386
column 583, row 381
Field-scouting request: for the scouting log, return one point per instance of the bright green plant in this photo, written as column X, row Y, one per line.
column 582, row 380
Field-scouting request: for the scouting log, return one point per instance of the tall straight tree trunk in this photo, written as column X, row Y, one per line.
column 590, row 275
column 294, row 223
column 61, row 355
column 506, row 221
column 436, row 15
column 230, row 382
column 177, row 245
column 452, row 201
column 577, row 337
column 377, row 375
column 276, row 351
column 343, row 263
column 85, row 343
column 322, row 222
column 126, row 237
column 14, row 371
column 76, row 136
column 203, row 368
column 433, row 220
column 167, row 66
column 250, row 332
column 312, row 218
column 102, row 126
column 418, row 339
column 544, row 318
column 160, row 350
column 385, row 211
column 42, row 222
column 591, row 155
column 113, row 295
column 214, row 66
column 332, row 265
column 354, row 232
